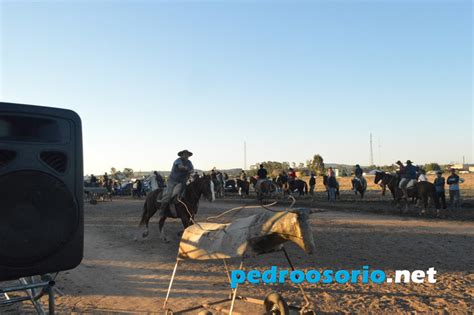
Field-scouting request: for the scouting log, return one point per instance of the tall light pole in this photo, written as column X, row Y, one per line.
column 380, row 152
column 371, row 151
column 245, row 155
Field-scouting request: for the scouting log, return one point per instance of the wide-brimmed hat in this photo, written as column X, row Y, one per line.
column 180, row 153
column 409, row 162
column 439, row 172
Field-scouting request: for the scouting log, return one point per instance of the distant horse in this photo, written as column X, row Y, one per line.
column 360, row 186
column 391, row 181
column 282, row 184
column 264, row 188
column 200, row 186
column 421, row 190
column 230, row 185
column 300, row 185
column 243, row 187
column 425, row 191
column 219, row 185
column 332, row 187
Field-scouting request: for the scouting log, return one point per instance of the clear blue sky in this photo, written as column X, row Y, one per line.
column 291, row 78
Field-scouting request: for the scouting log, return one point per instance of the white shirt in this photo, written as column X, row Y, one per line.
column 422, row 178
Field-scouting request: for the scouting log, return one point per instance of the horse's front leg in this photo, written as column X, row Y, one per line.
column 161, row 224
column 146, row 232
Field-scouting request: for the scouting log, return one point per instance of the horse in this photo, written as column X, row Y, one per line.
column 425, row 191
column 299, row 185
column 219, row 185
column 332, row 187
column 391, row 181
column 421, row 190
column 186, row 209
column 282, row 184
column 243, row 187
column 230, row 186
column 359, row 186
column 264, row 187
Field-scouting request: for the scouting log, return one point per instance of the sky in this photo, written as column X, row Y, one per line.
column 289, row 78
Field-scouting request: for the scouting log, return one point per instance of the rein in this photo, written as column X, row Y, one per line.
column 194, row 195
column 392, row 178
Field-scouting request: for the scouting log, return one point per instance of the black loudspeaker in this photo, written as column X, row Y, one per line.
column 41, row 190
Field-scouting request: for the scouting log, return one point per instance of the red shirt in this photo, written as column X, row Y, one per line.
column 292, row 174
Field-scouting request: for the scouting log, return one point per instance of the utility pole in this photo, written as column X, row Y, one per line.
column 245, row 155
column 371, row 151
column 380, row 152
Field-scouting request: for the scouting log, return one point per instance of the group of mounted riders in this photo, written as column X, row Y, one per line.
column 184, row 187
column 410, row 181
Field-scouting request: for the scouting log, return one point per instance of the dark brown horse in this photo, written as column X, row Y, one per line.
column 264, row 188
column 300, row 185
column 425, row 191
column 360, row 186
column 199, row 186
column 243, row 187
column 422, row 190
column 391, row 181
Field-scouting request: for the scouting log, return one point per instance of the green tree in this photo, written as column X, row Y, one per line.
column 113, row 170
column 432, row 167
column 317, row 164
column 128, row 172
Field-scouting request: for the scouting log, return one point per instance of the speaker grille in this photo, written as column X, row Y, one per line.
column 56, row 160
column 6, row 156
column 38, row 216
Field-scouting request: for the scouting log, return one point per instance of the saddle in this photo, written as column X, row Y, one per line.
column 171, row 209
column 362, row 181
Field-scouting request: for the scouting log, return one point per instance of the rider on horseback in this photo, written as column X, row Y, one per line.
column 408, row 178
column 180, row 172
column 291, row 175
column 262, row 173
column 358, row 176
column 243, row 176
column 261, row 177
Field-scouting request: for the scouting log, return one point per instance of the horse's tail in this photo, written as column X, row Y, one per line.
column 144, row 219
column 144, row 214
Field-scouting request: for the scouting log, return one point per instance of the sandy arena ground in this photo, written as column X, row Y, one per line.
column 123, row 274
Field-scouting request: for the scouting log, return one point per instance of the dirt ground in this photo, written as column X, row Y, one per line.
column 122, row 273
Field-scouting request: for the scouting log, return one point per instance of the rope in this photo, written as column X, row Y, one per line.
column 240, row 208
column 287, row 209
column 191, row 217
column 266, row 207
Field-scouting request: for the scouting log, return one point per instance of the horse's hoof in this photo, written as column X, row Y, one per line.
column 145, row 234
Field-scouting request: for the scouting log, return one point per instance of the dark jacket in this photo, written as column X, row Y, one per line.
column 439, row 184
column 410, row 172
column 262, row 173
